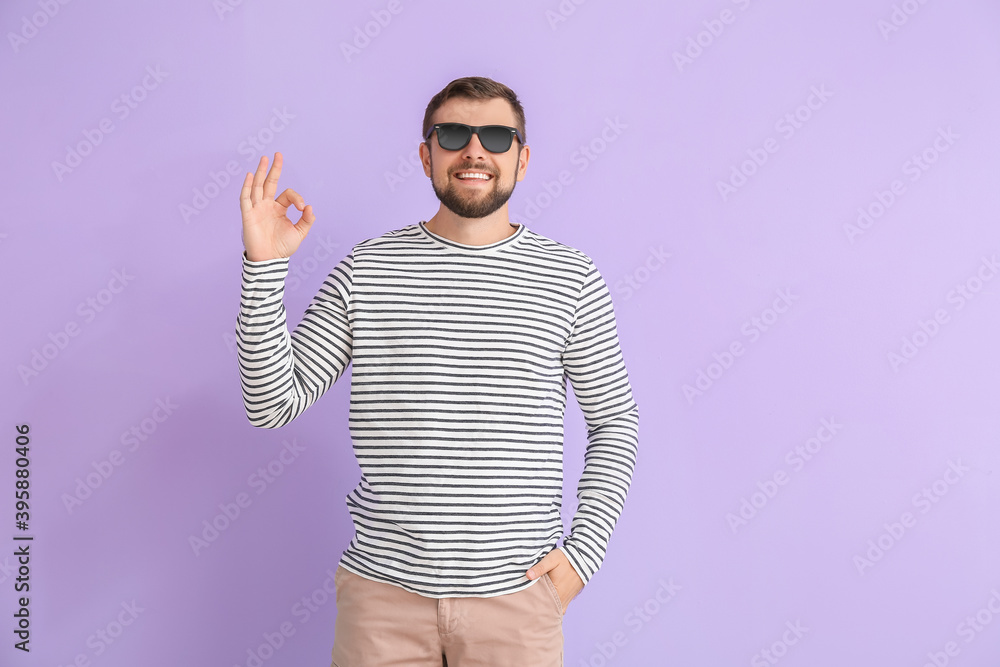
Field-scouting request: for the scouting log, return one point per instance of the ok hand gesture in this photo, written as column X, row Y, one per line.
column 267, row 232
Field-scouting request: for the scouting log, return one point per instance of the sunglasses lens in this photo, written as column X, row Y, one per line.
column 455, row 136
column 452, row 136
column 496, row 138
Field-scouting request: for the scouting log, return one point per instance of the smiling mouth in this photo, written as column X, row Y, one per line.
column 473, row 177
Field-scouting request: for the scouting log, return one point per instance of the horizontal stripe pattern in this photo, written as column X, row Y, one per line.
column 459, row 358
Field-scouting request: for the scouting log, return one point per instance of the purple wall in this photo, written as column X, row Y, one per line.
column 795, row 205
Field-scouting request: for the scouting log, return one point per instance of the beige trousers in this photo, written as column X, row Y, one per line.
column 382, row 625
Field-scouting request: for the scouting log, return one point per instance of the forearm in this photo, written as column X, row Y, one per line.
column 594, row 363
column 607, row 476
column 282, row 373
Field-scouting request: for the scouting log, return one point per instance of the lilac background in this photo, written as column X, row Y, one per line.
column 168, row 335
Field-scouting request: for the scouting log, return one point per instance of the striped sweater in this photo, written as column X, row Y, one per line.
column 460, row 357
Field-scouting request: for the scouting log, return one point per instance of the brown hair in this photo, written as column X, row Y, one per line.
column 476, row 88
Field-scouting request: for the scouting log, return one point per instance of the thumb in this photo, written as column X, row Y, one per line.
column 305, row 221
column 541, row 567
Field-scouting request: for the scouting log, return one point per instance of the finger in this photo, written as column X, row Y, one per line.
column 245, row 202
column 539, row 568
column 306, row 220
column 257, row 190
column 271, row 183
column 289, row 197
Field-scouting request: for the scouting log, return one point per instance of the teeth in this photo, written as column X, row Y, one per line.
column 484, row 177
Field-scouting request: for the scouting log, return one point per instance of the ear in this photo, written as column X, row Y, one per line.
column 522, row 161
column 425, row 157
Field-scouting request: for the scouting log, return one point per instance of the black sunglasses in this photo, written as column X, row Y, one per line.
column 456, row 136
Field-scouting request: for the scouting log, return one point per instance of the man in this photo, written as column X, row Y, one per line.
column 462, row 330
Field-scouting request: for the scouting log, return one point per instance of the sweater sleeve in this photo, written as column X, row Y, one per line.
column 593, row 362
column 282, row 374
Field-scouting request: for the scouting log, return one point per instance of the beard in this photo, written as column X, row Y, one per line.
column 472, row 203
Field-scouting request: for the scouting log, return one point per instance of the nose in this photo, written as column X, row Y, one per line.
column 474, row 149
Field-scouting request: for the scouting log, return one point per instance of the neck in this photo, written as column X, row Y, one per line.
column 472, row 231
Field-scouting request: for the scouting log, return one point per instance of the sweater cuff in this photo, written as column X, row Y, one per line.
column 266, row 262
column 574, row 559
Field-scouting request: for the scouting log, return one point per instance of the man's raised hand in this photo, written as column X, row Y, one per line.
column 267, row 232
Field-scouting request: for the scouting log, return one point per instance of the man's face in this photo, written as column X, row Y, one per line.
column 474, row 197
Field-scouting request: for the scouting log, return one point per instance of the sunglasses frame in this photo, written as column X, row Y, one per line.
column 475, row 130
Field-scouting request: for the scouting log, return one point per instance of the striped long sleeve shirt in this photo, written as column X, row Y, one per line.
column 460, row 358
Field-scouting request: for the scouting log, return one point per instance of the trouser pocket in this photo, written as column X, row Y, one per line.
column 555, row 593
